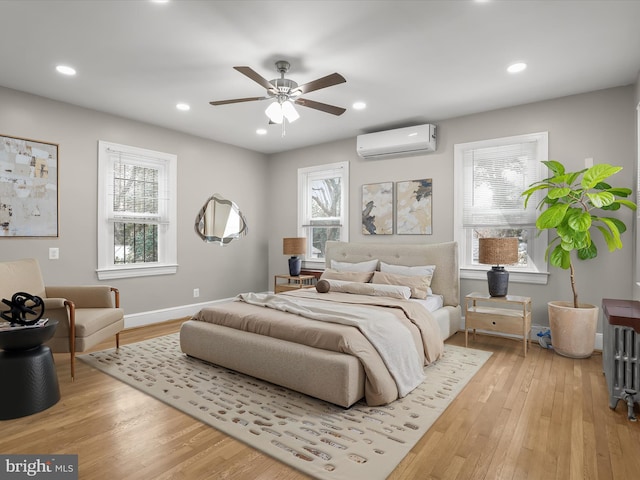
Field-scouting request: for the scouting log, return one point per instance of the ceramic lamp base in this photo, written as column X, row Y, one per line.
column 498, row 279
column 295, row 265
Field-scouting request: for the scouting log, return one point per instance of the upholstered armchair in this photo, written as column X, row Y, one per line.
column 86, row 314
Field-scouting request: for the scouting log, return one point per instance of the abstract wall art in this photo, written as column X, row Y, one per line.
column 28, row 188
column 377, row 209
column 414, row 207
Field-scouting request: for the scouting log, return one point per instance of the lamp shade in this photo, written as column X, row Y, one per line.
column 498, row 251
column 294, row 246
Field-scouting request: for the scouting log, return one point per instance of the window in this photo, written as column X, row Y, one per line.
column 136, row 212
column 323, row 206
column 490, row 177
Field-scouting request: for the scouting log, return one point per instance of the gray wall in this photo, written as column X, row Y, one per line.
column 204, row 167
column 600, row 125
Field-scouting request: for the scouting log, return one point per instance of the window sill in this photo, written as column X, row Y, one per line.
column 131, row 271
column 536, row 278
column 311, row 265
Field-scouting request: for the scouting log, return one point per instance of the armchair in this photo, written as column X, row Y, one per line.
column 86, row 314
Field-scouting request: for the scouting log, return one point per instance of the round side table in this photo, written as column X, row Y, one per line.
column 27, row 371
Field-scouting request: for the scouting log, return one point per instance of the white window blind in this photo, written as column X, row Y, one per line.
column 494, row 179
column 138, row 189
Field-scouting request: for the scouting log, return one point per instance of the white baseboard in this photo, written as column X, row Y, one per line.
column 535, row 329
column 157, row 316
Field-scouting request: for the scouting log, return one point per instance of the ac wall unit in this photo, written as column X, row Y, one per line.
column 401, row 141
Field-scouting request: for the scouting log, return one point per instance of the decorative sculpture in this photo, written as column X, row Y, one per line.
column 20, row 309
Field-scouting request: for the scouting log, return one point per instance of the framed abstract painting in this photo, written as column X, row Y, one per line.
column 377, row 209
column 28, row 188
column 414, row 207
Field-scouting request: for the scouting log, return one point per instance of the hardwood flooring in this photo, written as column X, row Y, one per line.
column 542, row 417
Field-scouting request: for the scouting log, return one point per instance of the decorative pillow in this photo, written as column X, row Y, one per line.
column 417, row 271
column 368, row 266
column 375, row 290
column 323, row 286
column 419, row 285
column 331, row 274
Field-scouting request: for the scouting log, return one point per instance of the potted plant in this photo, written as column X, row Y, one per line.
column 574, row 206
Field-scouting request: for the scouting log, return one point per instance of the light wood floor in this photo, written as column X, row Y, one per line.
column 542, row 417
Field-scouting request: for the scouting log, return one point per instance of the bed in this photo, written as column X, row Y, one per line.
column 284, row 347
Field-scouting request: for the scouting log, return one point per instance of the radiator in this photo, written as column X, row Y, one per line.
column 621, row 352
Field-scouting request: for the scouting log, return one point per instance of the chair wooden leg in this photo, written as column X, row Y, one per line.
column 72, row 336
column 117, row 340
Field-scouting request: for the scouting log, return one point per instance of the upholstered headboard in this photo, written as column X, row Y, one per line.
column 446, row 279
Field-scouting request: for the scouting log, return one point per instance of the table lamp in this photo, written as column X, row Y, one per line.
column 294, row 246
column 497, row 251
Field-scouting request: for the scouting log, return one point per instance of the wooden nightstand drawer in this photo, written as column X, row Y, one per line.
column 495, row 319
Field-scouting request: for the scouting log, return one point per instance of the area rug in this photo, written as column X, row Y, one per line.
column 313, row 436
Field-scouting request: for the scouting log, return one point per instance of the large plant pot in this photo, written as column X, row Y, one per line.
column 573, row 330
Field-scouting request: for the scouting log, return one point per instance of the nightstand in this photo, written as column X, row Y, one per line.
column 285, row 283
column 510, row 314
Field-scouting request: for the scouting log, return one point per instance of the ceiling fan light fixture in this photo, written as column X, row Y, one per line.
column 278, row 111
column 289, row 112
column 274, row 112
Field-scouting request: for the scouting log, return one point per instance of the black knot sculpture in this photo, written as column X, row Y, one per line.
column 26, row 309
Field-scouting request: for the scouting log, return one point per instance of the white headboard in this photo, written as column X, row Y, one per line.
column 446, row 279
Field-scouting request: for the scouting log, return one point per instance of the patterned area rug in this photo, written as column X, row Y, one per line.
column 313, row 436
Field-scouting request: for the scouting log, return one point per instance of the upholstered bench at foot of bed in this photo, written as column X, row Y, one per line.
column 335, row 377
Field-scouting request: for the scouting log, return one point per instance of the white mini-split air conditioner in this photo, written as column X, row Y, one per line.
column 401, row 141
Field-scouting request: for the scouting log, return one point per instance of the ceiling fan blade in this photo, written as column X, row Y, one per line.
column 320, row 106
column 238, row 100
column 324, row 82
column 256, row 77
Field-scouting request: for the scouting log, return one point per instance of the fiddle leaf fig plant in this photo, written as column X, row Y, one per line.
column 575, row 205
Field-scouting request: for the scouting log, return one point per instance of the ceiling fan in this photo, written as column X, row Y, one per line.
column 286, row 92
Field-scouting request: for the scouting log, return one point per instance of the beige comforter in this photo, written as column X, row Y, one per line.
column 380, row 387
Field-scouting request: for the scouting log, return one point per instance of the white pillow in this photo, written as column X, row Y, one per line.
column 417, row 271
column 376, row 290
column 420, row 285
column 331, row 274
column 368, row 266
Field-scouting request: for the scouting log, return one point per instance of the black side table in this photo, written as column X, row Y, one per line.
column 27, row 372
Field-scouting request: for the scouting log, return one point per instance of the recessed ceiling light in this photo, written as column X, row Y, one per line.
column 66, row 70
column 183, row 106
column 516, row 67
column 359, row 106
column 261, row 131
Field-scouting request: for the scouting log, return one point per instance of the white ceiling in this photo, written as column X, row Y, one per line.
column 410, row 61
